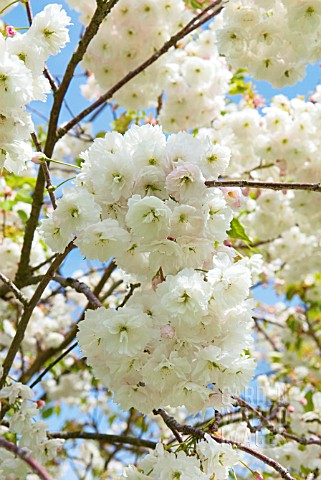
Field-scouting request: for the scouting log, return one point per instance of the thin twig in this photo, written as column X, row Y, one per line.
column 17, row 293
column 106, row 438
column 80, row 287
column 199, row 434
column 46, row 370
column 103, row 9
column 313, row 187
column 44, row 166
column 25, row 457
column 266, row 335
column 70, row 336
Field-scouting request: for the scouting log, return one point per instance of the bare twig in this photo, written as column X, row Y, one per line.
column 46, row 370
column 102, row 10
column 70, row 336
column 312, row 187
column 80, row 287
column 106, row 438
column 44, row 166
column 17, row 293
column 199, row 434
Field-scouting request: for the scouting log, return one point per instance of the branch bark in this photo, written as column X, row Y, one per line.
column 106, row 438
column 312, row 187
column 23, row 323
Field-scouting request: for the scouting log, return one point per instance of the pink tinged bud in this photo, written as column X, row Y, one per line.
column 156, row 282
column 38, row 158
column 233, row 196
column 7, row 191
column 303, row 401
column 227, row 243
column 10, row 31
column 257, row 476
column 299, row 309
column 291, row 409
column 167, row 331
column 40, row 403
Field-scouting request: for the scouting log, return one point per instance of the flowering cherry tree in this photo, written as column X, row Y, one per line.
column 154, row 359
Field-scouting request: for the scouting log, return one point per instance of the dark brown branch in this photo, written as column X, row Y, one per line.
column 70, row 336
column 312, row 187
column 46, row 370
column 44, row 166
column 23, row 323
column 17, row 293
column 80, row 287
column 105, row 438
column 265, row 335
column 25, row 457
column 31, row 225
column 203, row 17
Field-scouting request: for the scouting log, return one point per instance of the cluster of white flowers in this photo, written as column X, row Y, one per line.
column 131, row 33
column 32, row 434
column 22, row 60
column 184, row 344
column 193, row 76
column 142, row 199
column 211, row 459
column 287, row 148
column 274, row 39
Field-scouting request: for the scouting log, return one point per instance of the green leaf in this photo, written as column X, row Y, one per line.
column 309, row 406
column 23, row 216
column 122, row 123
column 14, row 181
column 7, row 205
column 23, row 196
column 237, row 231
column 47, row 413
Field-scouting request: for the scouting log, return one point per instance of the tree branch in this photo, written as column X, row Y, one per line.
column 25, row 457
column 313, row 187
column 17, row 293
column 80, row 287
column 23, row 323
column 199, row 434
column 106, row 438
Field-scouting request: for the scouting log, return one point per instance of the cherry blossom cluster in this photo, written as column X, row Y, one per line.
column 190, row 75
column 187, row 343
column 22, row 60
column 32, row 434
column 211, row 459
column 141, row 198
column 273, row 39
column 287, row 148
